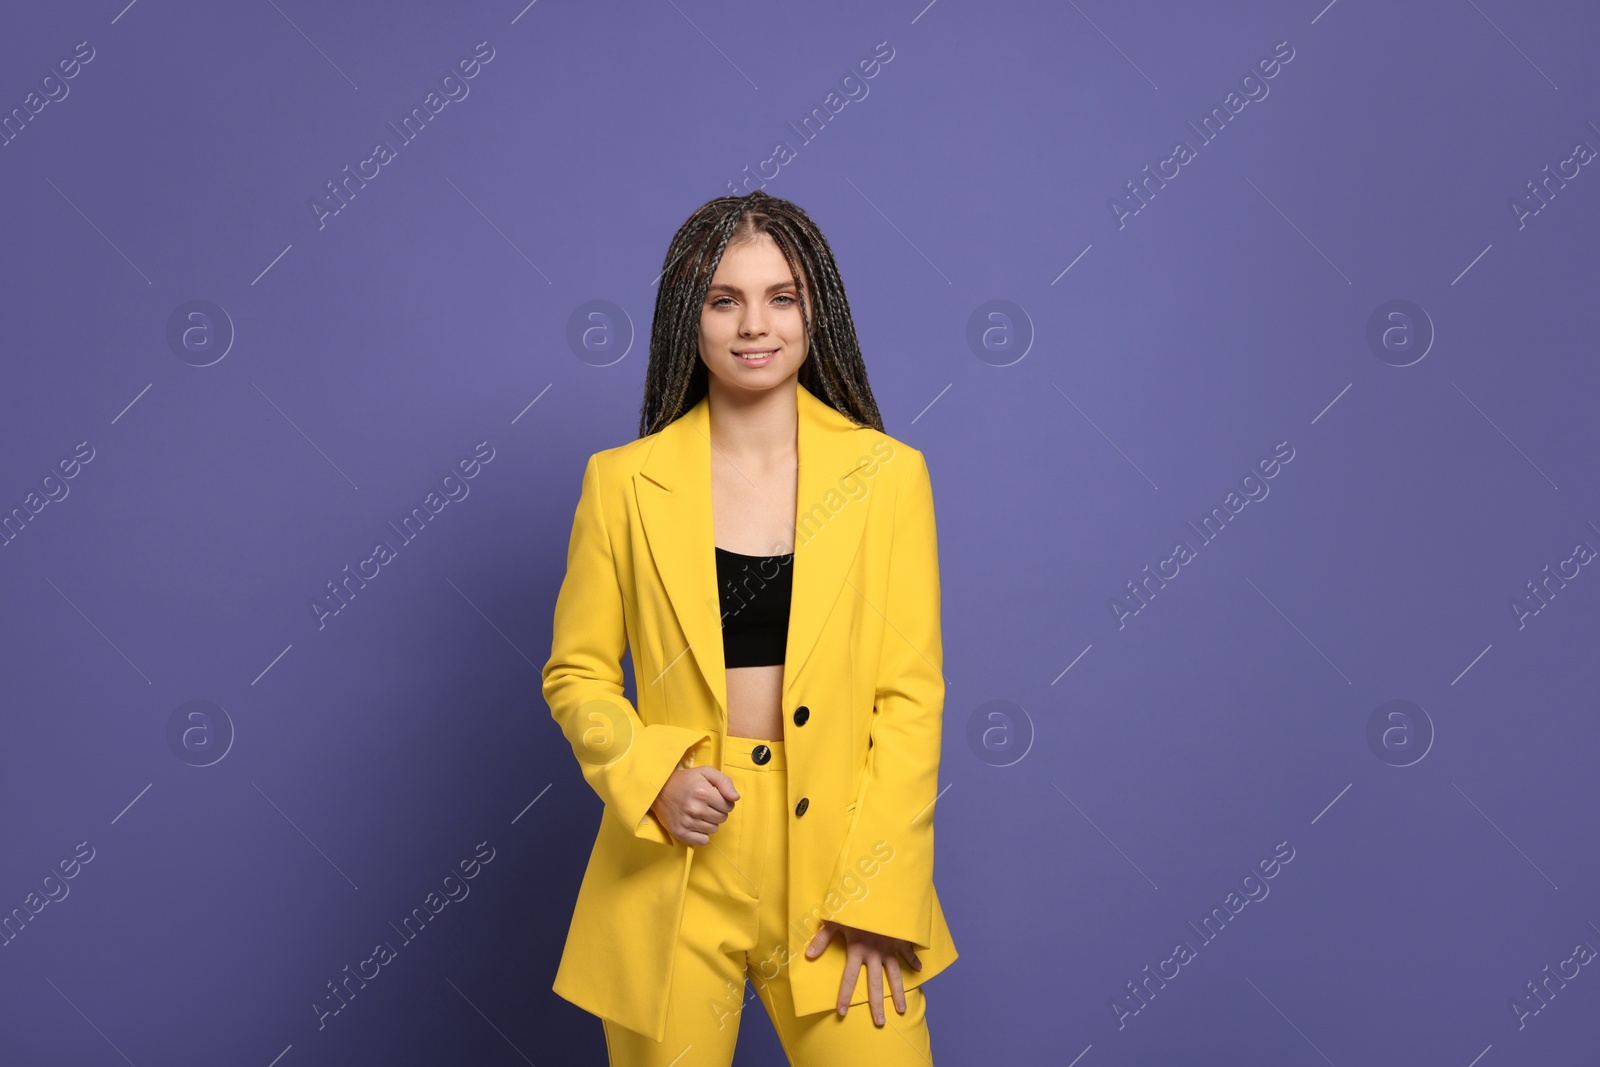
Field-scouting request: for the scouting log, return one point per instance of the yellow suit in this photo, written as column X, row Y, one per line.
column 863, row 697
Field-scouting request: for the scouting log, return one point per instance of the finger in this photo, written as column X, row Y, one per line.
column 910, row 954
column 723, row 783
column 702, row 824
column 689, row 830
column 708, row 796
column 875, row 987
column 847, row 984
column 672, row 806
column 896, row 985
column 694, row 819
column 710, row 813
column 820, row 940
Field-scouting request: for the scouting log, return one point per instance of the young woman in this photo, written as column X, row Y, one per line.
column 768, row 556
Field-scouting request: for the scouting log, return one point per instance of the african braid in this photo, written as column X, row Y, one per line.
column 834, row 370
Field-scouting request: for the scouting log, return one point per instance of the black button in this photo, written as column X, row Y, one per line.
column 801, row 714
column 800, row 808
column 761, row 753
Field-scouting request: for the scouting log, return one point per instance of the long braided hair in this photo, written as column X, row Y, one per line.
column 833, row 370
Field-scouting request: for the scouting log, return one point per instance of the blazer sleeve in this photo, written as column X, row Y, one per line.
column 624, row 760
column 896, row 802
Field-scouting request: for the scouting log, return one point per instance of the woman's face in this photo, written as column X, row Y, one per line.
column 752, row 306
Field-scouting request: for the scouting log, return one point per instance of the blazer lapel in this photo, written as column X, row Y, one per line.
column 673, row 489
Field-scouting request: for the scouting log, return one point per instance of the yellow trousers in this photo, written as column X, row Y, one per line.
column 734, row 926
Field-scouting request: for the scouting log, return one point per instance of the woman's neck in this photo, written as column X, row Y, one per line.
column 754, row 427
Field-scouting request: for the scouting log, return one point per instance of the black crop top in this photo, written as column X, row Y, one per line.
column 755, row 592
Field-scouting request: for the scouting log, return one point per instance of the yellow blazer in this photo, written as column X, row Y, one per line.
column 863, row 660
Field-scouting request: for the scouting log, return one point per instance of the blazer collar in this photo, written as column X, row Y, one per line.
column 673, row 489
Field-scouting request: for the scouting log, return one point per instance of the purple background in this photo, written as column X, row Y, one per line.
column 370, row 354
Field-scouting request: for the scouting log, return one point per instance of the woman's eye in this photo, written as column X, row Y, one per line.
column 788, row 300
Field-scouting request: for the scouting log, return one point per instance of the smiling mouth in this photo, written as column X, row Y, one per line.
column 756, row 357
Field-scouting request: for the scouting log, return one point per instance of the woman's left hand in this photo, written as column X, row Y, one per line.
column 878, row 953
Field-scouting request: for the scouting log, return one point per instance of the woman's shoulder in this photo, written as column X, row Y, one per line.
column 891, row 454
column 619, row 462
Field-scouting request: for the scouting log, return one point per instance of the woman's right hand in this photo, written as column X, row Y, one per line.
column 694, row 803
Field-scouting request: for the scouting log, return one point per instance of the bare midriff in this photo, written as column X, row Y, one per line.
column 755, row 702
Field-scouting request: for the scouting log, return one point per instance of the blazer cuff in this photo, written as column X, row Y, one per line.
column 656, row 752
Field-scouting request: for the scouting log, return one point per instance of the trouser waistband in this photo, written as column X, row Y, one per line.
column 754, row 754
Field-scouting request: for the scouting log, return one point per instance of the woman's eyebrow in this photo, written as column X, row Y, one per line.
column 773, row 288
